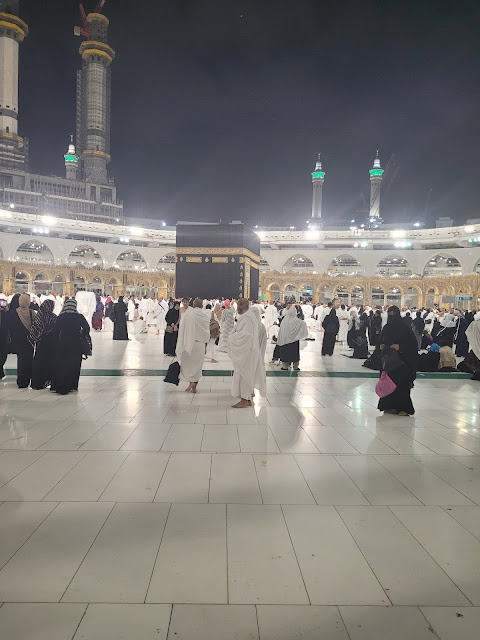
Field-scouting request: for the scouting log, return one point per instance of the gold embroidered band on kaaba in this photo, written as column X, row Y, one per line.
column 218, row 251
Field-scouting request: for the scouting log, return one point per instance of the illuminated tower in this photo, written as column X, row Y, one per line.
column 376, row 174
column 318, row 178
column 13, row 149
column 71, row 162
column 93, row 98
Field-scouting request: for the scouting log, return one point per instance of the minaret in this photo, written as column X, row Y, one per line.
column 71, row 162
column 318, row 178
column 376, row 174
column 93, row 99
column 13, row 149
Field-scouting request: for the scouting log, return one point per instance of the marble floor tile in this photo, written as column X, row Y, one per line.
column 44, row 566
column 375, row 482
column 256, row 439
column 234, row 480
column 386, row 623
column 281, row 481
column 191, row 566
column 34, row 621
column 364, row 441
column 40, row 477
column 14, row 462
column 137, row 479
column 262, row 567
column 147, row 437
column 73, row 437
column 333, row 567
column 468, row 517
column 328, row 440
column 455, row 549
column 219, row 438
column 454, row 623
column 186, row 478
column 110, row 437
column 425, row 485
column 407, row 573
column 124, row 622
column 184, row 437
column 89, row 478
column 328, row 482
column 18, row 520
column 213, row 622
column 114, row 569
column 292, row 439
column 289, row 622
column 465, row 480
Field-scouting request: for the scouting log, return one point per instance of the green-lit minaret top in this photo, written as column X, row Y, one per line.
column 376, row 173
column 318, row 178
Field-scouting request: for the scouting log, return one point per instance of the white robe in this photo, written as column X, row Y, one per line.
column 322, row 313
column 343, row 317
column 244, row 353
column 86, row 304
column 193, row 336
column 161, row 313
column 307, row 314
column 131, row 309
column 58, row 305
column 271, row 316
column 273, row 333
column 260, row 375
column 151, row 311
column 143, row 308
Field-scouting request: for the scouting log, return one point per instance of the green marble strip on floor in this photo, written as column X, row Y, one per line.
column 270, row 374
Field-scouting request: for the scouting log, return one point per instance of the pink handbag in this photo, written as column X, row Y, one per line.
column 385, row 386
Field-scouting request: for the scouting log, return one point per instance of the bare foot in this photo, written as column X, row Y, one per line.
column 189, row 388
column 403, row 413
column 214, row 361
column 243, row 404
column 391, row 411
column 194, row 387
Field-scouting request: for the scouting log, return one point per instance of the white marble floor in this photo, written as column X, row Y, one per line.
column 135, row 510
column 146, row 352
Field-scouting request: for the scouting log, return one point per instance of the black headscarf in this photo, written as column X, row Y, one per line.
column 44, row 322
column 14, row 302
column 396, row 331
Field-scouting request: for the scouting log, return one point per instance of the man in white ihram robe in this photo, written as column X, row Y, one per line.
column 161, row 312
column 260, row 375
column 131, row 308
column 193, row 336
column 86, row 304
column 343, row 318
column 271, row 316
column 307, row 310
column 244, row 353
column 58, row 305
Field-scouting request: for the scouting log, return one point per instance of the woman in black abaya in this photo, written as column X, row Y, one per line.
column 119, row 320
column 20, row 319
column 69, row 330
column 42, row 338
column 171, row 337
column 399, row 337
column 331, row 326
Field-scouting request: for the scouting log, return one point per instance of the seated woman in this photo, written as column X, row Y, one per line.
column 429, row 361
column 448, row 362
column 471, row 364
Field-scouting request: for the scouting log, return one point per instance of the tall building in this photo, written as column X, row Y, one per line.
column 376, row 173
column 13, row 148
column 86, row 193
column 318, row 178
column 93, row 99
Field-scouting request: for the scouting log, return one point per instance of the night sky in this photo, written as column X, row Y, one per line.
column 219, row 107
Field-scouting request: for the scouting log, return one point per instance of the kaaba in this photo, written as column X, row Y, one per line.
column 216, row 260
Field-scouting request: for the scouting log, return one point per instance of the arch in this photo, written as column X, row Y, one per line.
column 167, row 263
column 413, row 296
column 442, row 264
column 22, row 282
column 344, row 265
column 59, row 278
column 476, row 269
column 34, row 251
column 298, row 263
column 393, row 265
column 113, row 282
column 83, row 255
column 341, row 293
column 130, row 259
column 79, row 280
column 273, row 286
column 357, row 295
column 325, row 293
column 394, row 296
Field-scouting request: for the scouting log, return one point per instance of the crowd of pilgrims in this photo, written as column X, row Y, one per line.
column 50, row 335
